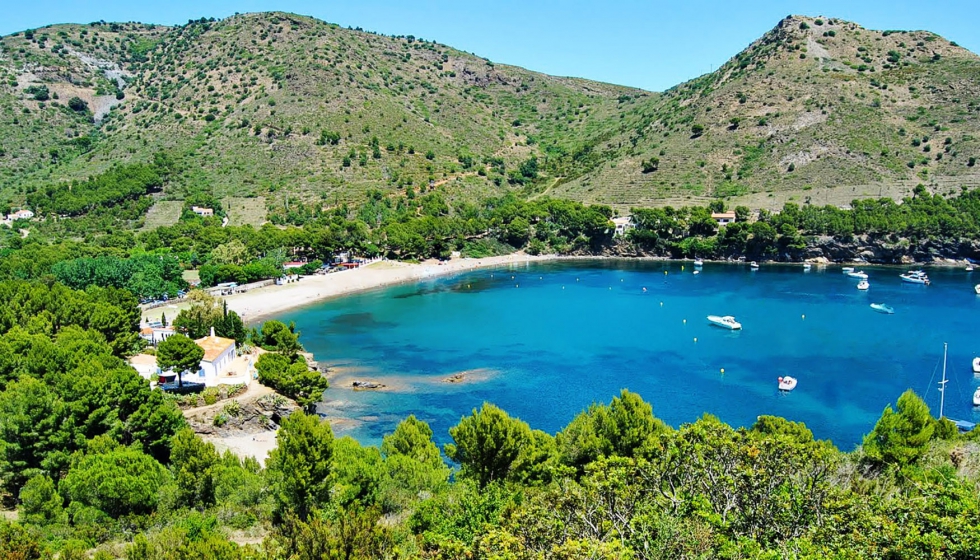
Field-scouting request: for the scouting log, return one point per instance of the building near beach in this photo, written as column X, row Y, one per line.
column 723, row 218
column 218, row 355
column 623, row 224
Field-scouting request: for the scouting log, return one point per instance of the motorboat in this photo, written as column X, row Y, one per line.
column 969, row 268
column 915, row 277
column 726, row 321
column 754, row 265
column 787, row 383
column 882, row 308
column 977, row 289
column 696, row 271
column 698, row 262
column 863, row 285
column 858, row 274
column 806, row 266
column 976, row 397
column 976, row 364
column 847, row 269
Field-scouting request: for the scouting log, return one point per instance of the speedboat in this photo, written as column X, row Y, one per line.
column 969, row 268
column 787, row 383
column 859, row 274
column 976, row 364
column 847, row 269
column 726, row 321
column 882, row 308
column 754, row 265
column 698, row 262
column 976, row 397
column 915, row 277
column 977, row 289
column 863, row 285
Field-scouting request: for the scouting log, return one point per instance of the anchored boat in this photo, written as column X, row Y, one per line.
column 726, row 321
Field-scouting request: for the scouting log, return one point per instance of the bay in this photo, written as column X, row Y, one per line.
column 544, row 340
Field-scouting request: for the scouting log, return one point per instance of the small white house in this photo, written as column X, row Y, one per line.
column 218, row 355
column 23, row 214
column 623, row 224
column 146, row 366
column 156, row 334
column 201, row 211
column 723, row 218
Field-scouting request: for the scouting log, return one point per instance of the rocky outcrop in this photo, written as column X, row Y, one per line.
column 243, row 417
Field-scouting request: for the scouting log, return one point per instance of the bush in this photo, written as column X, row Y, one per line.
column 77, row 104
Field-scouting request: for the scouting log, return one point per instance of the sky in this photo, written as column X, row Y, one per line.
column 652, row 45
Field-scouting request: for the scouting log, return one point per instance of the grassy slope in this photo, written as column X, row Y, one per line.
column 241, row 103
column 803, row 98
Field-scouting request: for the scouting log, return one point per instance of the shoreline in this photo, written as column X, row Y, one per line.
column 262, row 303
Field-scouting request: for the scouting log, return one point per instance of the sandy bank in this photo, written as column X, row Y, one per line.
column 256, row 305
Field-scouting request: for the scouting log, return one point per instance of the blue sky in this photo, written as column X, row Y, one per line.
column 652, row 45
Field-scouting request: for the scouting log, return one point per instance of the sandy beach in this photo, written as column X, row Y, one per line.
column 257, row 305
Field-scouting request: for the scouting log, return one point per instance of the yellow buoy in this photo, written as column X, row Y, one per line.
column 722, row 370
column 682, row 267
column 665, row 273
column 804, row 316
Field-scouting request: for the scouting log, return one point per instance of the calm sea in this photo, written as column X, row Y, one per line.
column 543, row 341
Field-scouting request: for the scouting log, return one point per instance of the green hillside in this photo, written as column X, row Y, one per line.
column 816, row 105
column 285, row 109
column 273, row 103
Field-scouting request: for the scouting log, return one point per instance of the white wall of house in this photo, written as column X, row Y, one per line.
column 210, row 370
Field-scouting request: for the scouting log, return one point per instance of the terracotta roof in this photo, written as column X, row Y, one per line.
column 214, row 346
column 143, row 360
column 717, row 215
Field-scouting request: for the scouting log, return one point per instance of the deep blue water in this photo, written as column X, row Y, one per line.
column 546, row 340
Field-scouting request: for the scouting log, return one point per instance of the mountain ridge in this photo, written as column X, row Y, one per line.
column 296, row 110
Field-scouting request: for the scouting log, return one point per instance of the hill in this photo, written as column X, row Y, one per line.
column 289, row 109
column 814, row 106
column 275, row 103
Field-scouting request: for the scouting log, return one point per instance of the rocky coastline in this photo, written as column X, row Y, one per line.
column 857, row 249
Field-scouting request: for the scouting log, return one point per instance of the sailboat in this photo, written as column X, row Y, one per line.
column 963, row 425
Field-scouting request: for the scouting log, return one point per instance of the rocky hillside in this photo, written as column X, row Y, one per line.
column 290, row 108
column 275, row 103
column 819, row 108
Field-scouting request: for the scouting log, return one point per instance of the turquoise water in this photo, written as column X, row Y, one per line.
column 543, row 341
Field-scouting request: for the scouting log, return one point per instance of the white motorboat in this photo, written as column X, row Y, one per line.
column 754, row 265
column 787, row 383
column 977, row 289
column 698, row 262
column 847, row 269
column 858, row 274
column 915, row 277
column 976, row 364
column 976, row 397
column 882, row 308
column 969, row 268
column 726, row 321
column 863, row 285
column 806, row 266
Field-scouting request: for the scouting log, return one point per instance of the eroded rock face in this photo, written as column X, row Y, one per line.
column 240, row 418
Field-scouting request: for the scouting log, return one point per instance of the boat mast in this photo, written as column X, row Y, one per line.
column 942, row 385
